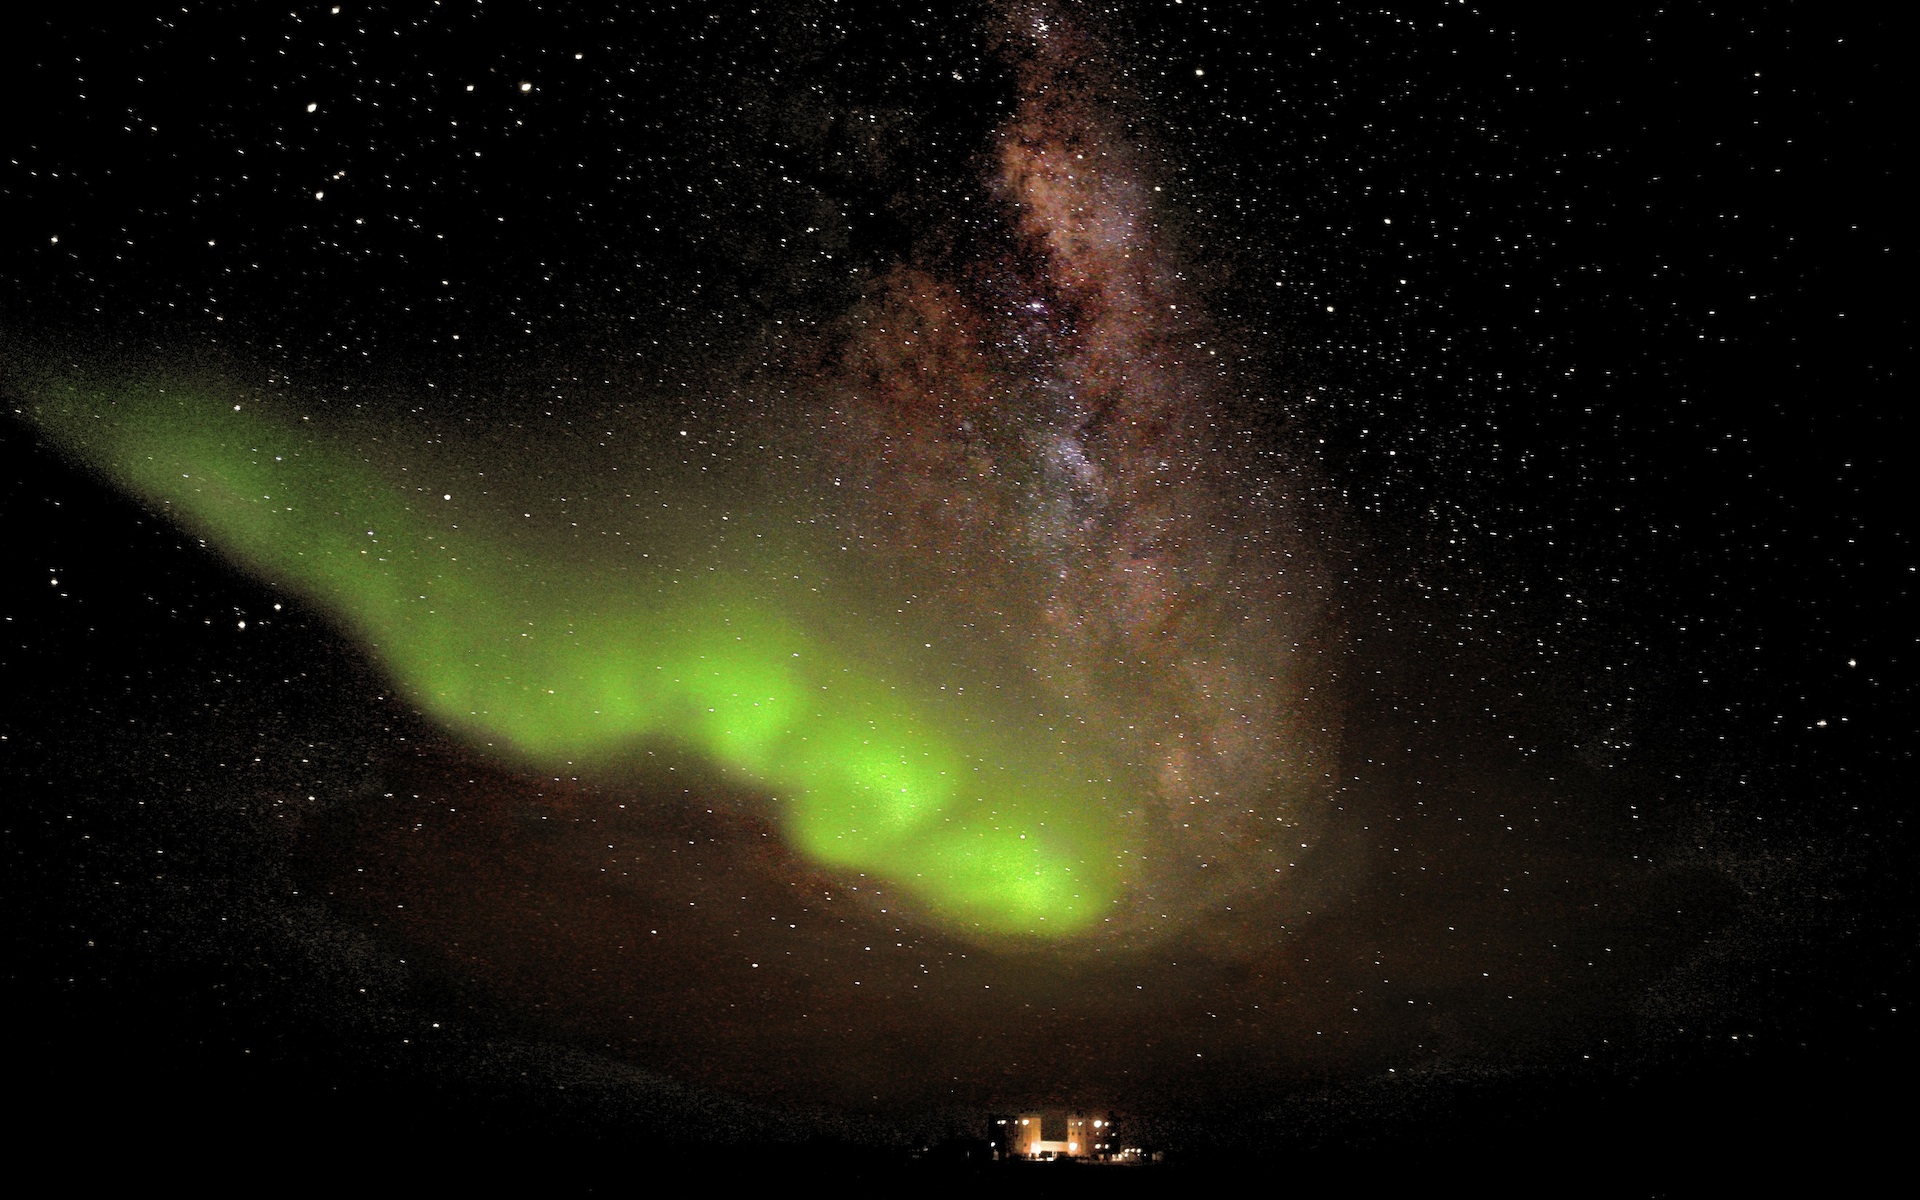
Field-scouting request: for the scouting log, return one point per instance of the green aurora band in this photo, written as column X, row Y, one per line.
column 554, row 659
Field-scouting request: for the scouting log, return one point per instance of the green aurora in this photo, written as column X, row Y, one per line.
column 714, row 640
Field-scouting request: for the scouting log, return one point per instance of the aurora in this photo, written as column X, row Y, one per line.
column 556, row 664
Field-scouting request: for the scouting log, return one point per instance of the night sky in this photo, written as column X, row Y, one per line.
column 1326, row 578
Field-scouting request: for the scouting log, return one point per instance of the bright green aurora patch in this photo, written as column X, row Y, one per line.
column 534, row 649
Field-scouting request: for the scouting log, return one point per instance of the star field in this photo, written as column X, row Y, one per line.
column 1423, row 472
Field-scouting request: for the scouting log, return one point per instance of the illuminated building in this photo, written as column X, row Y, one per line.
column 1054, row 1135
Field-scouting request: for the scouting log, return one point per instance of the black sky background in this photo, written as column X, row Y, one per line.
column 1597, row 316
